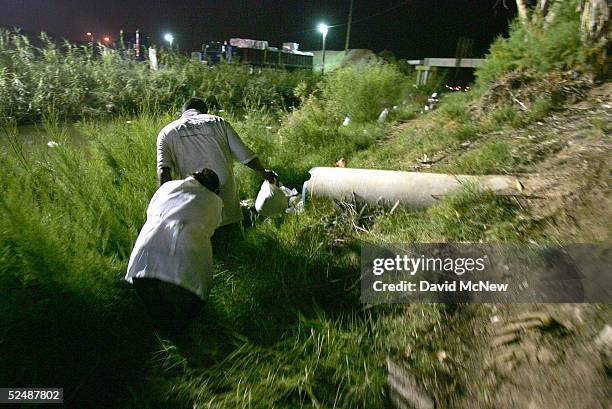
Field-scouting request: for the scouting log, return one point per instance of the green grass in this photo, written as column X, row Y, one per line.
column 491, row 157
column 541, row 45
column 284, row 315
column 73, row 82
column 71, row 213
column 285, row 327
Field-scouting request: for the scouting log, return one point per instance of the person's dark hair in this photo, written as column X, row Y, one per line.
column 196, row 103
column 208, row 178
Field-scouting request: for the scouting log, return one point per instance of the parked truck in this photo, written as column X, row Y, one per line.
column 257, row 53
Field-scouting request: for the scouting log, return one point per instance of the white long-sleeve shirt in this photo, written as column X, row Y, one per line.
column 174, row 244
column 196, row 141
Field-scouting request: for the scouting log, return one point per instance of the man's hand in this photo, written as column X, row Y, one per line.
column 270, row 175
column 265, row 174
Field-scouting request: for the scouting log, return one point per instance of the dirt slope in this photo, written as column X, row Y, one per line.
column 536, row 356
column 574, row 174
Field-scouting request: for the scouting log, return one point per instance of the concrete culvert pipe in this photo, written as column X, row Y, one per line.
column 413, row 189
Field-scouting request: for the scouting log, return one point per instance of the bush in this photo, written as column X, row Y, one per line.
column 536, row 45
column 455, row 107
column 358, row 92
column 71, row 82
column 362, row 91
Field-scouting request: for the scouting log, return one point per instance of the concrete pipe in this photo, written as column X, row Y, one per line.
column 414, row 189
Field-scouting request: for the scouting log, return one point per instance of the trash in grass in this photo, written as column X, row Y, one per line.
column 383, row 115
column 273, row 200
column 432, row 101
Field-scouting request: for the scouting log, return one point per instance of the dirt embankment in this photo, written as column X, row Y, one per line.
column 538, row 356
column 574, row 172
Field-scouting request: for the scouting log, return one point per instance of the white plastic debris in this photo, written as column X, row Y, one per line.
column 271, row 200
column 297, row 207
column 288, row 192
column 247, row 203
column 604, row 339
column 52, row 144
column 152, row 59
column 432, row 101
column 295, row 200
column 383, row 115
column 346, row 121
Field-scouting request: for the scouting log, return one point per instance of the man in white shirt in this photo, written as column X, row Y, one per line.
column 197, row 140
column 171, row 263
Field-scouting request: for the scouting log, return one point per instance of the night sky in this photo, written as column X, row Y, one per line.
column 411, row 29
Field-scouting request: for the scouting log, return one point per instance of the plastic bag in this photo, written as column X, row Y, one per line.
column 271, row 200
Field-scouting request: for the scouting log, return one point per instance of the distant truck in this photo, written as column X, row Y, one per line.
column 256, row 53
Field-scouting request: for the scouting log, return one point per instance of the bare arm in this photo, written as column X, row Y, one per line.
column 263, row 173
column 246, row 156
column 164, row 159
column 163, row 175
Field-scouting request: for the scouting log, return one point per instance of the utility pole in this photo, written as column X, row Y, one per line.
column 348, row 29
column 323, row 29
column 323, row 56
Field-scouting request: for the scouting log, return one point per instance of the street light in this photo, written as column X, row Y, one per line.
column 106, row 39
column 169, row 38
column 323, row 29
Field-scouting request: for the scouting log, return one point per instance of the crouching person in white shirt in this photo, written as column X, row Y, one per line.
column 171, row 263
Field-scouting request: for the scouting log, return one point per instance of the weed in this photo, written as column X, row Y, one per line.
column 77, row 81
column 492, row 157
column 538, row 45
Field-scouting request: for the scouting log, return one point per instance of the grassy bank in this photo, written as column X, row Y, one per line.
column 71, row 212
column 285, row 327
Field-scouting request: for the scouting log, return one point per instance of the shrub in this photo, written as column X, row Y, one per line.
column 455, row 107
column 71, row 82
column 362, row 91
column 358, row 92
column 536, row 45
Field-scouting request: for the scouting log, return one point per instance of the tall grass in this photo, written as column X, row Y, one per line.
column 72, row 81
column 315, row 134
column 69, row 217
column 71, row 212
column 285, row 327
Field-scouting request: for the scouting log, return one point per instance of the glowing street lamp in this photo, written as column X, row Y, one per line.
column 90, row 35
column 169, row 38
column 106, row 39
column 323, row 29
